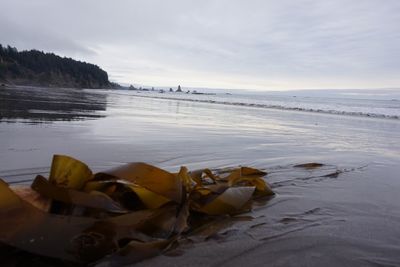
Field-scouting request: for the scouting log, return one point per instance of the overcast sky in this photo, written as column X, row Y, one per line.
column 248, row 44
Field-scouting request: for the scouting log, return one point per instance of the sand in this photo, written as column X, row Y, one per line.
column 316, row 219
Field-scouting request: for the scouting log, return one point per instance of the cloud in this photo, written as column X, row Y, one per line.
column 26, row 38
column 256, row 43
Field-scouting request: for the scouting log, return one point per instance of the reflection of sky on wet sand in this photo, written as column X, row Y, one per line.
column 180, row 120
column 171, row 133
column 40, row 105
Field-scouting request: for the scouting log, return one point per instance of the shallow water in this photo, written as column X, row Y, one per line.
column 365, row 103
column 349, row 219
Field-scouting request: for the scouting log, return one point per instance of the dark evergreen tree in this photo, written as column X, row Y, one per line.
column 47, row 69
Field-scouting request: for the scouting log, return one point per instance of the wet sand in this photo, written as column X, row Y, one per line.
column 316, row 218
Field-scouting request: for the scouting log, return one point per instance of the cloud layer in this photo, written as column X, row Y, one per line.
column 255, row 44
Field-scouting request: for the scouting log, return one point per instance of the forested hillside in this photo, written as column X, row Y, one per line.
column 47, row 69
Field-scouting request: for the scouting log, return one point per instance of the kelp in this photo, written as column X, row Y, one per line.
column 309, row 166
column 122, row 215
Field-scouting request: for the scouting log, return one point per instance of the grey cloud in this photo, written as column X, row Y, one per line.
column 26, row 37
column 304, row 43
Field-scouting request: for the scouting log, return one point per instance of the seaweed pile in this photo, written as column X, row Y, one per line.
column 122, row 215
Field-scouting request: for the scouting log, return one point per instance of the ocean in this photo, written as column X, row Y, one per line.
column 384, row 103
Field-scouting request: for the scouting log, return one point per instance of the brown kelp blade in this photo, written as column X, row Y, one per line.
column 152, row 178
column 250, row 177
column 78, row 239
column 309, row 166
column 25, row 227
column 231, row 200
column 94, row 199
column 126, row 214
column 69, row 172
column 150, row 199
column 200, row 176
column 34, row 198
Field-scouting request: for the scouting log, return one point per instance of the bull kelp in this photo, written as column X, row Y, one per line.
column 122, row 215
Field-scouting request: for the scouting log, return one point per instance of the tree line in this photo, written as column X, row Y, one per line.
column 47, row 69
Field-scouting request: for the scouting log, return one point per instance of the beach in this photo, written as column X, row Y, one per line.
column 345, row 213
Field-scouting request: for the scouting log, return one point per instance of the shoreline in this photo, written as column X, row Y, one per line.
column 137, row 93
column 277, row 107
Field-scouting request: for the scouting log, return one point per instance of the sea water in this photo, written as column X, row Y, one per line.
column 384, row 103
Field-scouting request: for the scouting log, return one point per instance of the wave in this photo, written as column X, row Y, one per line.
column 276, row 107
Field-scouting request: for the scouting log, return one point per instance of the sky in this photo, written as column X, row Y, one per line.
column 232, row 44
